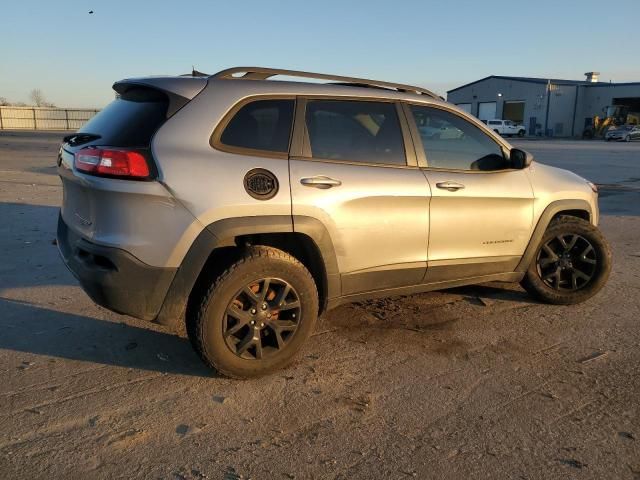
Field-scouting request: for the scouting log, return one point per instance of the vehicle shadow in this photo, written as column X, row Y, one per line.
column 37, row 330
column 29, row 255
column 45, row 169
column 505, row 292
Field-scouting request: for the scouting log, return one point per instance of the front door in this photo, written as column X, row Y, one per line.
column 353, row 176
column 481, row 210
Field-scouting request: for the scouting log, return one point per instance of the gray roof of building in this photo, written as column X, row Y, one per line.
column 555, row 81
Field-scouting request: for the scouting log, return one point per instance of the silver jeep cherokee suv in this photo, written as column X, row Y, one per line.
column 245, row 207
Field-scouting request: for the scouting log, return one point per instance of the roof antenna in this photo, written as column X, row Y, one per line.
column 196, row 73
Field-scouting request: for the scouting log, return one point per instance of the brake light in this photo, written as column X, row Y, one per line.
column 110, row 162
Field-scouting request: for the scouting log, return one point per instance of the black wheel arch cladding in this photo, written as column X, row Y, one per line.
column 225, row 233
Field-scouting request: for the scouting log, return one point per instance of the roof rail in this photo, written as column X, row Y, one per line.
column 261, row 73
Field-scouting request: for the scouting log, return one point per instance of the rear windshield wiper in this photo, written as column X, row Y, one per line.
column 80, row 138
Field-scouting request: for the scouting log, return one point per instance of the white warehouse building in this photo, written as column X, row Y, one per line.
column 551, row 107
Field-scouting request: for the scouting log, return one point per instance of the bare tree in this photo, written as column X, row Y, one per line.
column 38, row 99
column 4, row 102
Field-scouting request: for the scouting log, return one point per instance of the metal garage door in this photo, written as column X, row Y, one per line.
column 513, row 111
column 487, row 110
column 464, row 106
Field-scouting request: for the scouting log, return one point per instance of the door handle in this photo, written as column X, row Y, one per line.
column 320, row 181
column 451, row 186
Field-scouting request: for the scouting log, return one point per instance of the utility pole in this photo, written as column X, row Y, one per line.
column 546, row 116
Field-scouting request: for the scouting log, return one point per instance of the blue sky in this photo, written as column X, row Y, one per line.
column 74, row 57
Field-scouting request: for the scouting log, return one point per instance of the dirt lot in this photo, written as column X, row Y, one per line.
column 477, row 382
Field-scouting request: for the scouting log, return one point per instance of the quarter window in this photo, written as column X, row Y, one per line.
column 451, row 142
column 261, row 125
column 367, row 132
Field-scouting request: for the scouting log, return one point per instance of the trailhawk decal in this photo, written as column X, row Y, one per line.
column 493, row 242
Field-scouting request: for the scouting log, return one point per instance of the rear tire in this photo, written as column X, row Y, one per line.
column 256, row 315
column 627, row 138
column 521, row 133
column 572, row 263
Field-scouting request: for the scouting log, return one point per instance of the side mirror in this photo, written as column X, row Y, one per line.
column 520, row 159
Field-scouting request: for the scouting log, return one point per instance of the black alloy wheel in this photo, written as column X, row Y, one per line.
column 256, row 314
column 261, row 319
column 571, row 265
column 567, row 262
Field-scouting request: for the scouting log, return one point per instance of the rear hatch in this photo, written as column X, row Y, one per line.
column 109, row 159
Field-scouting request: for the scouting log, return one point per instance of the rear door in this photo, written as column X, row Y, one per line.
column 481, row 210
column 129, row 122
column 355, row 171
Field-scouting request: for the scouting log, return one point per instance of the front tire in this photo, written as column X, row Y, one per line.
column 627, row 138
column 256, row 315
column 572, row 263
column 521, row 133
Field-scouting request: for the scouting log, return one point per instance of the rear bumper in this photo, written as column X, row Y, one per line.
column 114, row 278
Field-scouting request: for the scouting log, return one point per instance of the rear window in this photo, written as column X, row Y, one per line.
column 495, row 122
column 131, row 119
column 261, row 125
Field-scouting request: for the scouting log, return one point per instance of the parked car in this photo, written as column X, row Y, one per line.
column 242, row 208
column 506, row 127
column 625, row 133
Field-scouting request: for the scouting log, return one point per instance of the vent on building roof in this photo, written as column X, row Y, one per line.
column 592, row 76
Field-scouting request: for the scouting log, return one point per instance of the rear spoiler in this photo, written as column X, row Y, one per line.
column 179, row 90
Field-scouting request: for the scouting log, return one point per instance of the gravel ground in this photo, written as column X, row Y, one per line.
column 475, row 382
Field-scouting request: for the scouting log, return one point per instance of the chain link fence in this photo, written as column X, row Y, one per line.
column 44, row 118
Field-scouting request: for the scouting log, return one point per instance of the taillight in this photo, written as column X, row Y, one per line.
column 112, row 163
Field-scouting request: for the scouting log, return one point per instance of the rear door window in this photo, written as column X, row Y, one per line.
column 355, row 131
column 262, row 125
column 130, row 120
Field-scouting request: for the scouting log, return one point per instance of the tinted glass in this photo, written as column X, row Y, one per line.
column 452, row 142
column 130, row 120
column 366, row 132
column 261, row 125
